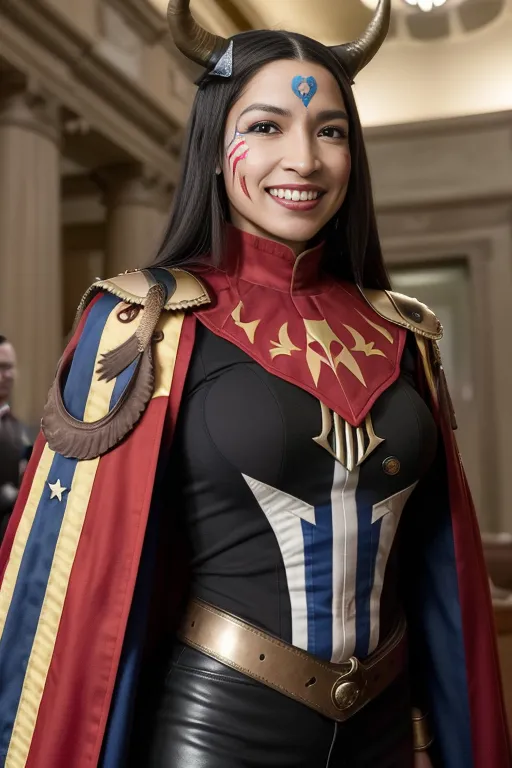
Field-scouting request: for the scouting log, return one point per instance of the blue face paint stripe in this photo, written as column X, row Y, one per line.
column 75, row 396
column 367, row 547
column 24, row 611
column 318, row 544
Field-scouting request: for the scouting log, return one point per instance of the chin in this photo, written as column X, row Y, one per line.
column 298, row 232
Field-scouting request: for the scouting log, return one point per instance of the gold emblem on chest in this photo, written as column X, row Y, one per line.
column 349, row 445
column 319, row 334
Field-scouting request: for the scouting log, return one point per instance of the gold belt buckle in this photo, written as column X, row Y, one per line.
column 349, row 686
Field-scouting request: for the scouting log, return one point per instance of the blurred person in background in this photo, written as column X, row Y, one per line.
column 13, row 441
column 246, row 539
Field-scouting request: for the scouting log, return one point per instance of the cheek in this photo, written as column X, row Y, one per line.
column 245, row 166
column 341, row 168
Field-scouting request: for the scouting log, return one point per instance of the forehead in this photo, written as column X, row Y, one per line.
column 7, row 354
column 273, row 84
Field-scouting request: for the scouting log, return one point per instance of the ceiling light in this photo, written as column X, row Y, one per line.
column 422, row 5
column 426, row 5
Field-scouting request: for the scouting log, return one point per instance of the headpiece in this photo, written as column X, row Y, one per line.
column 216, row 53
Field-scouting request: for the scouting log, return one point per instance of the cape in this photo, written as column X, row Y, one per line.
column 77, row 562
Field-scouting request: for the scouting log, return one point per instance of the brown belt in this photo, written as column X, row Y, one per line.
column 336, row 690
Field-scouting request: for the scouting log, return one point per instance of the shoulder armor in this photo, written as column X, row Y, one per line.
column 405, row 311
column 125, row 372
column 183, row 289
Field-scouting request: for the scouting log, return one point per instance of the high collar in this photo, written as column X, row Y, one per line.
column 268, row 263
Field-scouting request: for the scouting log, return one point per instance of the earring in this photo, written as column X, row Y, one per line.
column 218, row 170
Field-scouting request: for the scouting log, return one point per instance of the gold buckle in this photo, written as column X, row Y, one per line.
column 345, row 692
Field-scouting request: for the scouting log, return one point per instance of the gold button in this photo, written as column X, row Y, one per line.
column 391, row 465
column 345, row 694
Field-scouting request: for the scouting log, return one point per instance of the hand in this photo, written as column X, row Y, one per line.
column 422, row 760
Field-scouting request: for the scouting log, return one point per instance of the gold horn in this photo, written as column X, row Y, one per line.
column 356, row 55
column 190, row 38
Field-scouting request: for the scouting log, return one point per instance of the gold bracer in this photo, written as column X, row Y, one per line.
column 421, row 731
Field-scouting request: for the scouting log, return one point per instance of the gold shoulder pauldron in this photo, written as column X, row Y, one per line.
column 404, row 311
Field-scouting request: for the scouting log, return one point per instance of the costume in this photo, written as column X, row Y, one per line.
column 265, row 427
column 61, row 660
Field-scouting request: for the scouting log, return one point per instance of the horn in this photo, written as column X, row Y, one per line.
column 190, row 38
column 356, row 55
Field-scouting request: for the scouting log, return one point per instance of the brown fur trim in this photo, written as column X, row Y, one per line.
column 81, row 440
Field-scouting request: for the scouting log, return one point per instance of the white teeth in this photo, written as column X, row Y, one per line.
column 294, row 194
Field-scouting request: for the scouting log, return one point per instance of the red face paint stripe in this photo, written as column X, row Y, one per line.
column 243, row 184
column 235, row 149
column 237, row 160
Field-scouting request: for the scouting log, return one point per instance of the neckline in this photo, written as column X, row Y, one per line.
column 266, row 262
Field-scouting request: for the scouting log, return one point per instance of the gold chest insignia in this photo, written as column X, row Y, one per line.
column 349, row 445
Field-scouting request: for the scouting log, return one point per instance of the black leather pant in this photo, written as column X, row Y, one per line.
column 206, row 715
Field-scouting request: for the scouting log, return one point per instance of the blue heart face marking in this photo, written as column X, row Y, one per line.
column 304, row 88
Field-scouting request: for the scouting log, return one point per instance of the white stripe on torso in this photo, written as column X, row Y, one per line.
column 284, row 513
column 344, row 525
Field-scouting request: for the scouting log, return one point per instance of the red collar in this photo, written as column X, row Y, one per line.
column 301, row 325
column 265, row 262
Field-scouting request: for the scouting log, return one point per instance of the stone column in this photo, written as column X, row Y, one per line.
column 30, row 254
column 137, row 213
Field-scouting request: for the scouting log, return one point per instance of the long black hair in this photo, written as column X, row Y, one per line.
column 200, row 208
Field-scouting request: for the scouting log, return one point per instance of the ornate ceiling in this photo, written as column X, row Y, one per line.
column 453, row 61
column 333, row 22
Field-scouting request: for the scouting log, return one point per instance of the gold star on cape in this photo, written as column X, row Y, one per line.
column 57, row 490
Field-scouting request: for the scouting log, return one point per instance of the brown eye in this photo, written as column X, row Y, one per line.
column 334, row 132
column 263, row 127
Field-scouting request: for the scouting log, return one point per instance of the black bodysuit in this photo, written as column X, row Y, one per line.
column 280, row 533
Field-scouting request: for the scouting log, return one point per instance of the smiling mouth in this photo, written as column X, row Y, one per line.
column 294, row 194
column 296, row 198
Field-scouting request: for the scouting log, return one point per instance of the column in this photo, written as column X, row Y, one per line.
column 137, row 213
column 30, row 254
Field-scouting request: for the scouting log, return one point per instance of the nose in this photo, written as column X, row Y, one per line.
column 301, row 155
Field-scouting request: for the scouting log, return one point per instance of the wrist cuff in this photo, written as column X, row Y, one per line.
column 421, row 731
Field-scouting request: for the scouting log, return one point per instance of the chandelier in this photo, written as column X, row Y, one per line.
column 420, row 5
column 426, row 5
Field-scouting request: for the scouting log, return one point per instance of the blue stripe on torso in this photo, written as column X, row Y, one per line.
column 318, row 543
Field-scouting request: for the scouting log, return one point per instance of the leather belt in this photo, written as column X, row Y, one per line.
column 337, row 691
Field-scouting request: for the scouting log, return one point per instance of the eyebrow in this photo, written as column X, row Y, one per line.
column 328, row 114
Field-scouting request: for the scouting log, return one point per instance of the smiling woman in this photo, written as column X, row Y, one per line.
column 246, row 539
column 287, row 169
column 285, row 120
